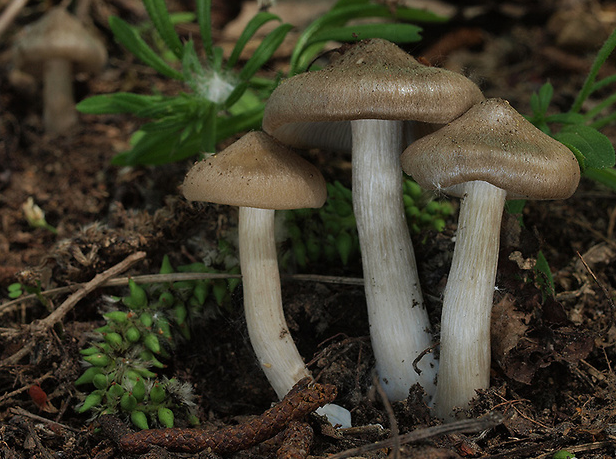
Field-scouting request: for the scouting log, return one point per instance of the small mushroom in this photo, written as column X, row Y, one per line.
column 54, row 48
column 359, row 103
column 489, row 154
column 259, row 175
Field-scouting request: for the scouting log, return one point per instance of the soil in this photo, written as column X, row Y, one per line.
column 552, row 369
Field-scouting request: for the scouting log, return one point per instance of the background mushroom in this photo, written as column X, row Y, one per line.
column 54, row 49
column 489, row 154
column 259, row 175
column 361, row 100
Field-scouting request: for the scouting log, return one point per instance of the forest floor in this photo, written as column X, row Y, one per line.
column 552, row 370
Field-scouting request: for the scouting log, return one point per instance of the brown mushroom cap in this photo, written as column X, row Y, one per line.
column 374, row 79
column 59, row 35
column 256, row 171
column 492, row 142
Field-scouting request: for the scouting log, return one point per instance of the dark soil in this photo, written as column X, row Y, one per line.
column 552, row 370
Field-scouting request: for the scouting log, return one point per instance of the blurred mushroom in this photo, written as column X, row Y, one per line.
column 359, row 102
column 489, row 154
column 259, row 175
column 55, row 48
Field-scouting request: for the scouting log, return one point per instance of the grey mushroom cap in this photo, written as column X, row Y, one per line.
column 59, row 35
column 492, row 142
column 373, row 79
column 256, row 171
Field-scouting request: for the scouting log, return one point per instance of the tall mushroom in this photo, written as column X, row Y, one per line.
column 259, row 175
column 55, row 47
column 359, row 102
column 489, row 154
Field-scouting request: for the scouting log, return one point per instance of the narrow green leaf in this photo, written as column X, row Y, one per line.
column 601, row 106
column 204, row 19
column 589, row 83
column 605, row 176
column 265, row 51
column 596, row 148
column 545, row 97
column 157, row 10
column 535, row 106
column 248, row 120
column 565, row 118
column 119, row 102
column 129, row 37
column 544, row 277
column 418, row 15
column 515, row 206
column 157, row 147
column 604, row 82
column 398, row 33
column 235, row 95
column 251, row 28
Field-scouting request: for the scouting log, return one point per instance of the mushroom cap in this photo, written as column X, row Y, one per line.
column 492, row 142
column 256, row 171
column 373, row 79
column 58, row 35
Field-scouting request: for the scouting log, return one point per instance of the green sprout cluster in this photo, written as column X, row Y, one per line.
column 330, row 233
column 141, row 331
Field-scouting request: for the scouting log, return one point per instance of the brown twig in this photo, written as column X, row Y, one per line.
column 488, row 421
column 305, row 397
column 57, row 315
column 21, row 412
column 601, row 286
column 428, row 350
column 393, row 424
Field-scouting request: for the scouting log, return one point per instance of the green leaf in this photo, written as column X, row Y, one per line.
column 128, row 36
column 545, row 97
column 344, row 11
column 251, row 28
column 204, row 18
column 398, row 33
column 544, row 276
column 565, row 118
column 515, row 206
column 606, row 176
column 595, row 147
column 236, row 95
column 264, row 51
column 248, row 120
column 157, row 10
column 590, row 83
column 157, row 147
column 119, row 102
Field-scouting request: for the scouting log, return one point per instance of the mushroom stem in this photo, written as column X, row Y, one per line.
column 467, row 303
column 269, row 335
column 58, row 102
column 399, row 325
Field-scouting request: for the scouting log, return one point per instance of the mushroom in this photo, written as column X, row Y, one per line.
column 489, row 154
column 55, row 47
column 359, row 103
column 259, row 175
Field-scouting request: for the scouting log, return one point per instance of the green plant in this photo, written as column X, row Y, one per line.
column 141, row 330
column 330, row 233
column 563, row 454
column 580, row 132
column 221, row 100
